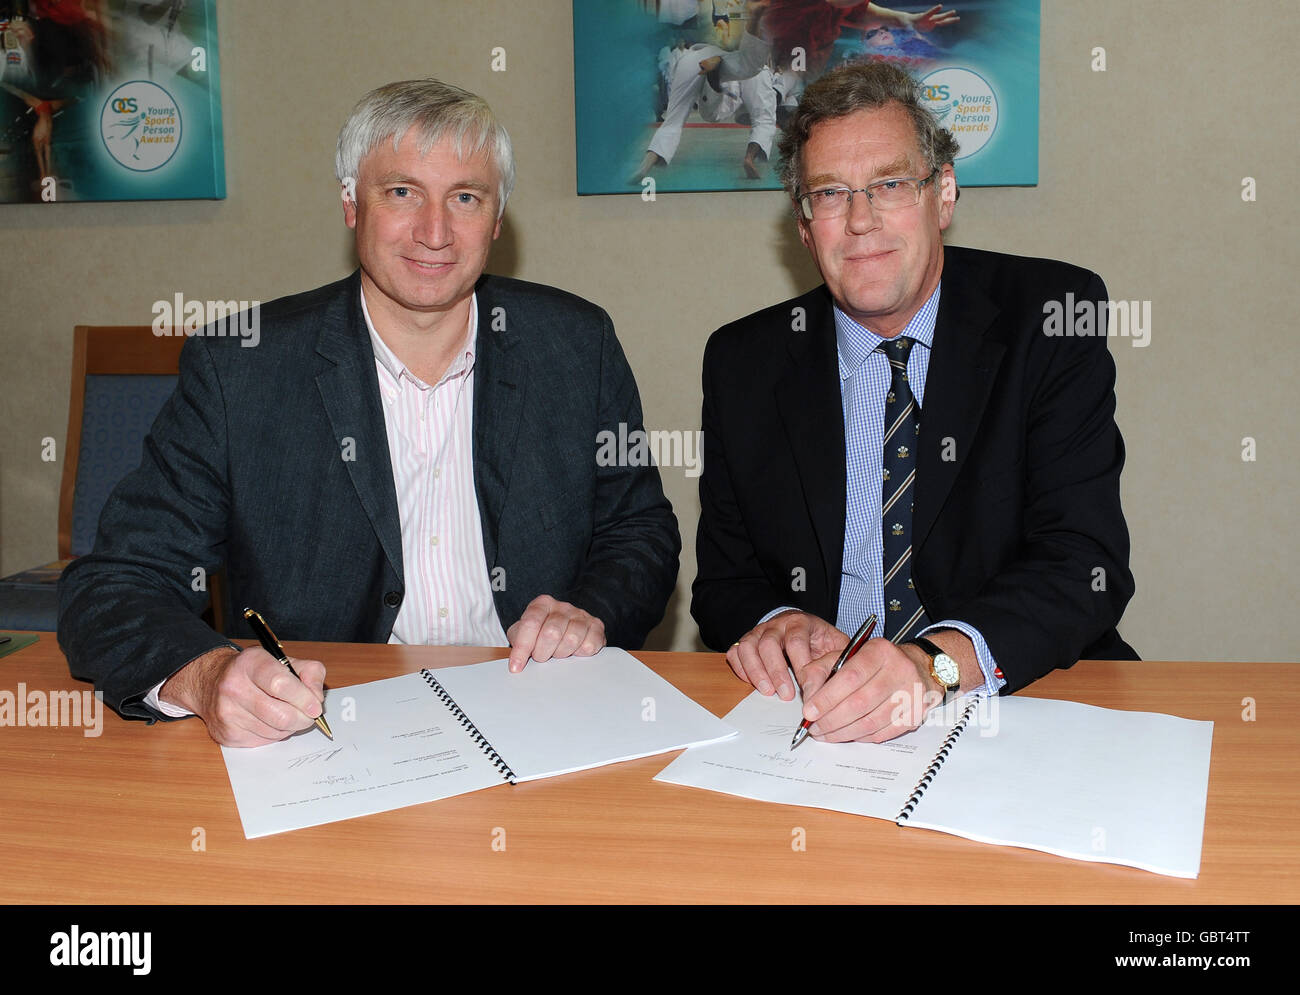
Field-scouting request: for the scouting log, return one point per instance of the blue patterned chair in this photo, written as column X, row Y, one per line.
column 121, row 375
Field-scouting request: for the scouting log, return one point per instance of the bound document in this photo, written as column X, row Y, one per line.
column 437, row 733
column 1074, row 780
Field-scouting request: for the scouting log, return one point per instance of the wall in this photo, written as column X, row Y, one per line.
column 1140, row 179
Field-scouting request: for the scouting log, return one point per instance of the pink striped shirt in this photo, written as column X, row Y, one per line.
column 430, row 444
column 448, row 597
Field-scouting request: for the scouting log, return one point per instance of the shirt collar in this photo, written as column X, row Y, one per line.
column 463, row 363
column 856, row 342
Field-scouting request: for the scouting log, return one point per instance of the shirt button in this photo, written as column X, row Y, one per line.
column 433, row 541
column 437, row 472
column 442, row 612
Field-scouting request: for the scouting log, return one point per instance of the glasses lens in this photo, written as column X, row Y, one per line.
column 828, row 203
column 895, row 193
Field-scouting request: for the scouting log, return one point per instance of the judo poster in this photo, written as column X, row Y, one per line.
column 694, row 93
column 109, row 100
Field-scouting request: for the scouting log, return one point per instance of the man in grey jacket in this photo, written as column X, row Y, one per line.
column 407, row 455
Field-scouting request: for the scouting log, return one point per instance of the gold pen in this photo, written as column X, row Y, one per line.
column 272, row 645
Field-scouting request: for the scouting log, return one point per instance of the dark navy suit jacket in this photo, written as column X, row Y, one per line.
column 245, row 466
column 1017, row 527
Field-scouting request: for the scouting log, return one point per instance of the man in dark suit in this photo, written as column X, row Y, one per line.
column 407, row 455
column 910, row 439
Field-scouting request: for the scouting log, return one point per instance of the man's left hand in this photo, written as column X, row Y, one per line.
column 550, row 629
column 882, row 691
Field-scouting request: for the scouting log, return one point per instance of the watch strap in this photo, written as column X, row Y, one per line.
column 926, row 645
column 949, row 690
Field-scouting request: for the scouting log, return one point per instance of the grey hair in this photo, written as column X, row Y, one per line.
column 435, row 110
column 853, row 87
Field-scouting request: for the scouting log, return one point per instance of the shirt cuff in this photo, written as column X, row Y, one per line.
column 171, row 711
column 983, row 655
column 775, row 612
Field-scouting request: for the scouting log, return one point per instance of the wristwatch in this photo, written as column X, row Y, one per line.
column 943, row 668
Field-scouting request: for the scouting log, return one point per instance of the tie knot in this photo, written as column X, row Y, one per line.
column 896, row 349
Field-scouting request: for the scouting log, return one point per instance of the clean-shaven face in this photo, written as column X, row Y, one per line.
column 424, row 223
column 880, row 266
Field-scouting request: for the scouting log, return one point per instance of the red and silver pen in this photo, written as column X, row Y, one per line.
column 855, row 644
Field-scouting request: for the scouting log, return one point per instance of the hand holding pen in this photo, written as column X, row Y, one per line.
column 856, row 643
column 247, row 697
column 272, row 645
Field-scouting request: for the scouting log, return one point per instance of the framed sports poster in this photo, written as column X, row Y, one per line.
column 694, row 93
column 109, row 100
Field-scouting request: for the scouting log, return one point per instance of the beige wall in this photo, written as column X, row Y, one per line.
column 1140, row 178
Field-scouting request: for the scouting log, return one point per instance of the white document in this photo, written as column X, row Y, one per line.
column 1079, row 781
column 1075, row 780
column 402, row 748
column 398, row 743
column 873, row 779
column 567, row 715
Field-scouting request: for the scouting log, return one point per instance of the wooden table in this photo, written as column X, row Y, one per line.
column 118, row 818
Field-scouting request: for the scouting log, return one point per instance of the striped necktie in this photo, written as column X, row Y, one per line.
column 904, row 615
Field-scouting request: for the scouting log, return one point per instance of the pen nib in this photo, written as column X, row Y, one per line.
column 799, row 737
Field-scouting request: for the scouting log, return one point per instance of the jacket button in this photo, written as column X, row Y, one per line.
column 392, row 599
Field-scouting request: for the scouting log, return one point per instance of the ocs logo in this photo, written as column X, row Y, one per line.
column 963, row 102
column 140, row 124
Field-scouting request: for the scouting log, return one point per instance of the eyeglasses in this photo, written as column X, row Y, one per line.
column 886, row 195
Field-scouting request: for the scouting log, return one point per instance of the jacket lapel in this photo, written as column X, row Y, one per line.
column 808, row 400
column 499, row 379
column 963, row 366
column 349, row 391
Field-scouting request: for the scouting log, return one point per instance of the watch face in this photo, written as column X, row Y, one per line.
column 946, row 667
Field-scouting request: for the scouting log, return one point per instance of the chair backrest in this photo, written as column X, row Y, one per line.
column 121, row 376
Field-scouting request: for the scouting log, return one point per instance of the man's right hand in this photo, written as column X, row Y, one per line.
column 761, row 655
column 248, row 698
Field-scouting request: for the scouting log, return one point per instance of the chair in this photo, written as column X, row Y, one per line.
column 121, row 376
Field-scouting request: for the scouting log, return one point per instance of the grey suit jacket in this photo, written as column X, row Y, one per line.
column 273, row 461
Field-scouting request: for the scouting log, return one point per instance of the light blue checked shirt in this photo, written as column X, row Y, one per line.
column 864, row 381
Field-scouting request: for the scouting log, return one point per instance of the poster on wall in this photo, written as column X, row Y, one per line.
column 694, row 93
column 109, row 100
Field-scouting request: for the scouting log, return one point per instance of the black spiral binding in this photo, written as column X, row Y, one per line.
column 477, row 736
column 932, row 771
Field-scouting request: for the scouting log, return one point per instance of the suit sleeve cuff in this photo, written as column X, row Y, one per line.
column 983, row 655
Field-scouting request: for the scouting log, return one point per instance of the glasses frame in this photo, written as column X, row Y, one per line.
column 806, row 204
